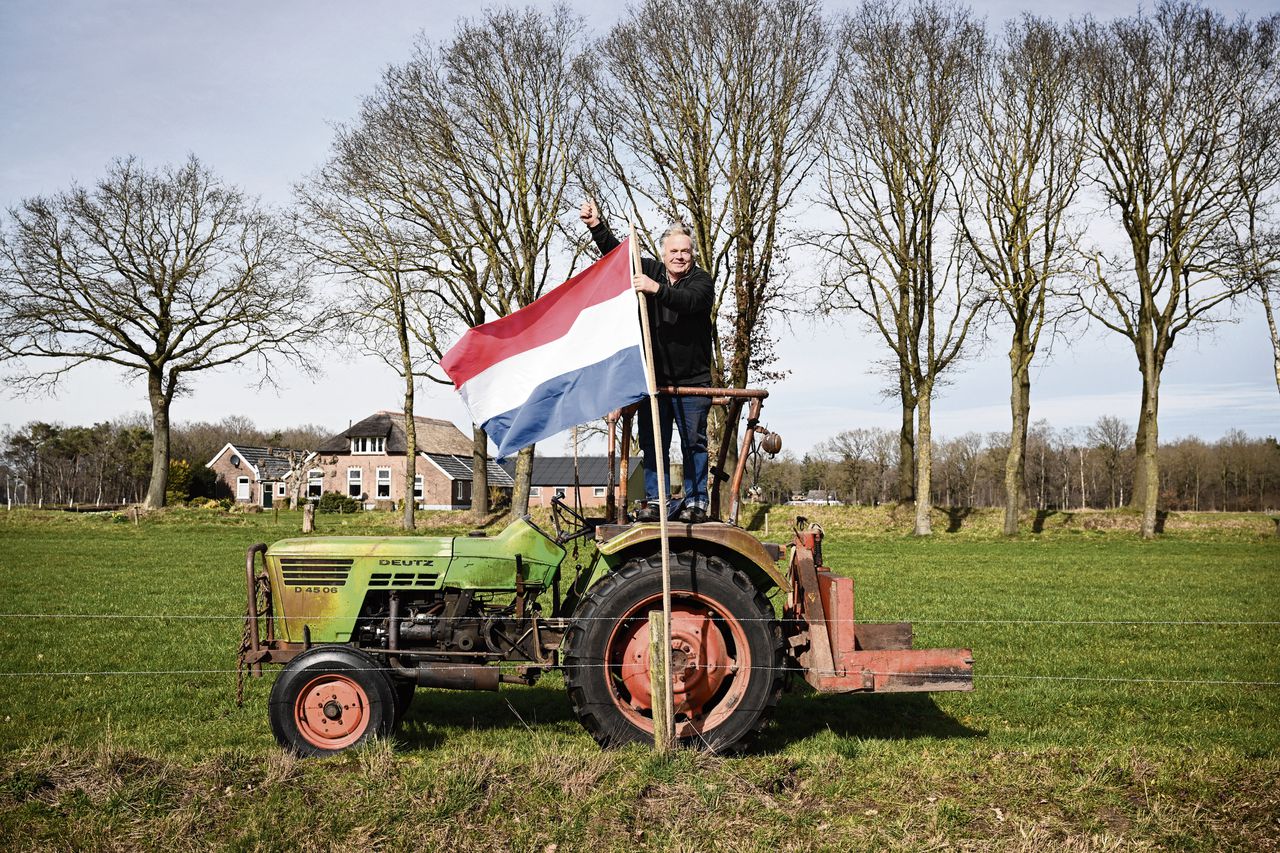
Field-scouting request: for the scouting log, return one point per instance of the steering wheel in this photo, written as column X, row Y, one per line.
column 561, row 517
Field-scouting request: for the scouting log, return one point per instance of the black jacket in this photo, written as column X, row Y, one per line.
column 679, row 319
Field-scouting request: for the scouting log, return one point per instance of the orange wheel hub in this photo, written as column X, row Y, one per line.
column 332, row 711
column 709, row 664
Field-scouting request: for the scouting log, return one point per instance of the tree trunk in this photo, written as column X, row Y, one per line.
column 924, row 462
column 160, row 439
column 1275, row 335
column 736, row 377
column 906, row 443
column 1149, row 496
column 1140, row 449
column 523, row 478
column 410, row 425
column 409, row 522
column 479, row 474
column 1015, row 462
column 1083, row 493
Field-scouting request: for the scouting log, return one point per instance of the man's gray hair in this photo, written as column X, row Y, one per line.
column 679, row 229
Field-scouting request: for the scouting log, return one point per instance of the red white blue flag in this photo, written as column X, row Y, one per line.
column 571, row 356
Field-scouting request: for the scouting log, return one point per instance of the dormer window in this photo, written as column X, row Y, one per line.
column 369, row 444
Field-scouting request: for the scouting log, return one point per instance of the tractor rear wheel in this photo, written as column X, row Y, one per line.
column 726, row 654
column 330, row 698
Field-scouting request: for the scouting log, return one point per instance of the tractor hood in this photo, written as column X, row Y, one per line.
column 321, row 581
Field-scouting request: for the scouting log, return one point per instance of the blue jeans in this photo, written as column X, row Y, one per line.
column 689, row 414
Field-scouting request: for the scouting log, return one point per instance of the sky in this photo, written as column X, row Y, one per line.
column 254, row 89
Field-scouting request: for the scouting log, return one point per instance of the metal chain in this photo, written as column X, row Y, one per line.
column 260, row 592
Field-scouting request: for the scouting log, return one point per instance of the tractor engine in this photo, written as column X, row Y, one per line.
column 446, row 622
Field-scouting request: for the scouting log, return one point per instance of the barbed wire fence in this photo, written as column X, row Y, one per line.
column 978, row 675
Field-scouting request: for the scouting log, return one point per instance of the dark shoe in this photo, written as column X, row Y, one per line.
column 692, row 515
column 648, row 512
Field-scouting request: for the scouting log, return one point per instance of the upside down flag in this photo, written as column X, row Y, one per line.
column 567, row 358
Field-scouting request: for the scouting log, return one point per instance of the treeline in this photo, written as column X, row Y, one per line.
column 1066, row 469
column 942, row 177
column 44, row 464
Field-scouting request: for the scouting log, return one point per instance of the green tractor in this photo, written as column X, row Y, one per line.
column 361, row 622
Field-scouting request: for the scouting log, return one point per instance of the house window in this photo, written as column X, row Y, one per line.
column 598, row 491
column 353, row 482
column 315, row 483
column 369, row 444
column 560, row 494
column 242, row 488
column 384, row 483
column 535, row 491
column 280, row 490
column 462, row 491
column 417, row 487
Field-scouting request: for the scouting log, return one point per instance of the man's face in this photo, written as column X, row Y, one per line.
column 677, row 255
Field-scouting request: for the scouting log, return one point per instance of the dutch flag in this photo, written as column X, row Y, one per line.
column 567, row 358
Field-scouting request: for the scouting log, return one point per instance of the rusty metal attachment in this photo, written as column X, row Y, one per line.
column 841, row 656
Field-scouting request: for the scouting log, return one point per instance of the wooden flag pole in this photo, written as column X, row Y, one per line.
column 663, row 723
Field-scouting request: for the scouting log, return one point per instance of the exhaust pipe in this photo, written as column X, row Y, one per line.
column 450, row 676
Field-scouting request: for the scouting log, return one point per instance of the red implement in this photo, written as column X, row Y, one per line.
column 841, row 656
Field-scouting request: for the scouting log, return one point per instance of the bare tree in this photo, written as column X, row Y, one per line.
column 1023, row 153
column 163, row 273
column 705, row 111
column 1266, row 287
column 1164, row 108
column 389, row 303
column 888, row 172
column 1112, row 437
column 298, row 462
column 468, row 148
column 1255, row 233
column 1264, row 292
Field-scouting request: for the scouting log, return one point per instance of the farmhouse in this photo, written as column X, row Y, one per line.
column 366, row 462
column 256, row 475
column 553, row 475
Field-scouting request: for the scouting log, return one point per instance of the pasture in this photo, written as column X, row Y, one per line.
column 1126, row 697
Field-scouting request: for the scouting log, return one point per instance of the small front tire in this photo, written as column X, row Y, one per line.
column 331, row 698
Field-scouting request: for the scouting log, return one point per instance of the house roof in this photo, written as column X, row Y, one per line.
column 459, row 468
column 558, row 470
column 433, row 435
column 268, row 463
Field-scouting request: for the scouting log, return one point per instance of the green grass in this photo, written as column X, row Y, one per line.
column 1062, row 744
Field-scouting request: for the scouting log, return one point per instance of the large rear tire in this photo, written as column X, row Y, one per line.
column 726, row 654
column 331, row 698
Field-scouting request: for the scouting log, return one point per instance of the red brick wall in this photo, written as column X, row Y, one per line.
column 635, row 491
column 437, row 488
column 228, row 474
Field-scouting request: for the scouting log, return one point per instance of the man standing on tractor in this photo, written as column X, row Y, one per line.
column 680, row 296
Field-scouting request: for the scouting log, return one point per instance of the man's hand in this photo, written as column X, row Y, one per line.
column 641, row 283
column 589, row 214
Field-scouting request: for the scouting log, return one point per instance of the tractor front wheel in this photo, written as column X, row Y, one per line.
column 726, row 654
column 330, row 698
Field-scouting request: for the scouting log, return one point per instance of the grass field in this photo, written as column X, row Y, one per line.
column 1111, row 709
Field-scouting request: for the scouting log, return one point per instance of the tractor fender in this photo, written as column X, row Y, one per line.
column 732, row 544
